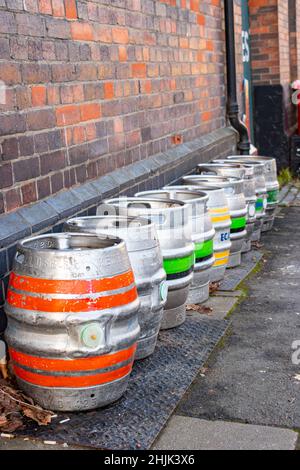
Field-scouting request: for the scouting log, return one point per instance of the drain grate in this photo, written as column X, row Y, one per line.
column 157, row 385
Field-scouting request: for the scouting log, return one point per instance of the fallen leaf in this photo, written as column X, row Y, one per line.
column 3, row 421
column 214, row 287
column 14, row 406
column 199, row 309
column 4, row 371
column 257, row 245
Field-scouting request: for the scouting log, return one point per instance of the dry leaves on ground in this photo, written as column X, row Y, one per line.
column 14, row 406
column 214, row 287
column 257, row 245
column 199, row 309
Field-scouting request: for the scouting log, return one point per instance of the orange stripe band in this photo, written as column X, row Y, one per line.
column 93, row 286
column 71, row 365
column 70, row 305
column 71, row 382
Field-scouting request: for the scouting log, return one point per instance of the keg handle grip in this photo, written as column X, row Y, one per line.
column 206, row 169
column 20, row 255
column 139, row 205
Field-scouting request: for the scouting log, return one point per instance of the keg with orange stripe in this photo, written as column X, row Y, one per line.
column 72, row 308
column 146, row 260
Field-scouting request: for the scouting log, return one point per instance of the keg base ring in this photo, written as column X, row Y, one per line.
column 146, row 347
column 247, row 246
column 256, row 236
column 174, row 317
column 268, row 225
column 218, row 273
column 235, row 260
column 76, row 400
column 199, row 294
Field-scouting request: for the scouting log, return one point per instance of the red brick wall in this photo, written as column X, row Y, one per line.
column 293, row 39
column 264, row 42
column 239, row 49
column 93, row 85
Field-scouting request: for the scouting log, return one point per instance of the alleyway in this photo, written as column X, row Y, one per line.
column 251, row 378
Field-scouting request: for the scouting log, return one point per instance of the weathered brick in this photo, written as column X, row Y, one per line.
column 30, row 25
column 26, row 169
column 38, row 95
column 41, row 119
column 6, row 175
column 58, row 29
column 7, row 22
column 29, row 193
column 35, row 73
column 12, row 124
column 10, row 149
column 13, row 199
column 52, row 162
column 71, row 9
column 10, row 73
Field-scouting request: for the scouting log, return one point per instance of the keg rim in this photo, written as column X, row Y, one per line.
column 236, row 164
column 199, row 195
column 108, row 243
column 143, row 221
column 230, row 180
column 255, row 157
column 208, row 189
column 168, row 203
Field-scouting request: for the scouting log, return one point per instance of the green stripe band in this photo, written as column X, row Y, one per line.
column 204, row 249
column 238, row 223
column 179, row 265
column 273, row 196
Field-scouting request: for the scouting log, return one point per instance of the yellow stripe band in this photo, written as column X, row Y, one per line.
column 224, row 254
column 219, row 211
column 221, row 262
column 223, row 218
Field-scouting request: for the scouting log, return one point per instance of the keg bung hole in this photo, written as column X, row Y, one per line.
column 93, row 395
column 88, row 268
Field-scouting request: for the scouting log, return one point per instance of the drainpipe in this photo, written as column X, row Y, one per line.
column 232, row 102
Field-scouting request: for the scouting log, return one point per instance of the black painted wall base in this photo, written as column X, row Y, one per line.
column 271, row 118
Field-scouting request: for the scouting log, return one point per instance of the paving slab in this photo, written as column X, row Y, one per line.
column 184, row 433
column 22, row 444
column 290, row 197
column 221, row 306
column 253, row 378
column 284, row 191
column 234, row 277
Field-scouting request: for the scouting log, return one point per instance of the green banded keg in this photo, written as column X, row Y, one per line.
column 234, row 189
column 245, row 172
column 174, row 228
column 272, row 184
column 202, row 235
column 221, row 221
column 261, row 191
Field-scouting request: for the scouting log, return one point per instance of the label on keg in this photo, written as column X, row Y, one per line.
column 164, row 289
column 252, row 210
column 273, row 196
column 265, row 203
column 224, row 237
